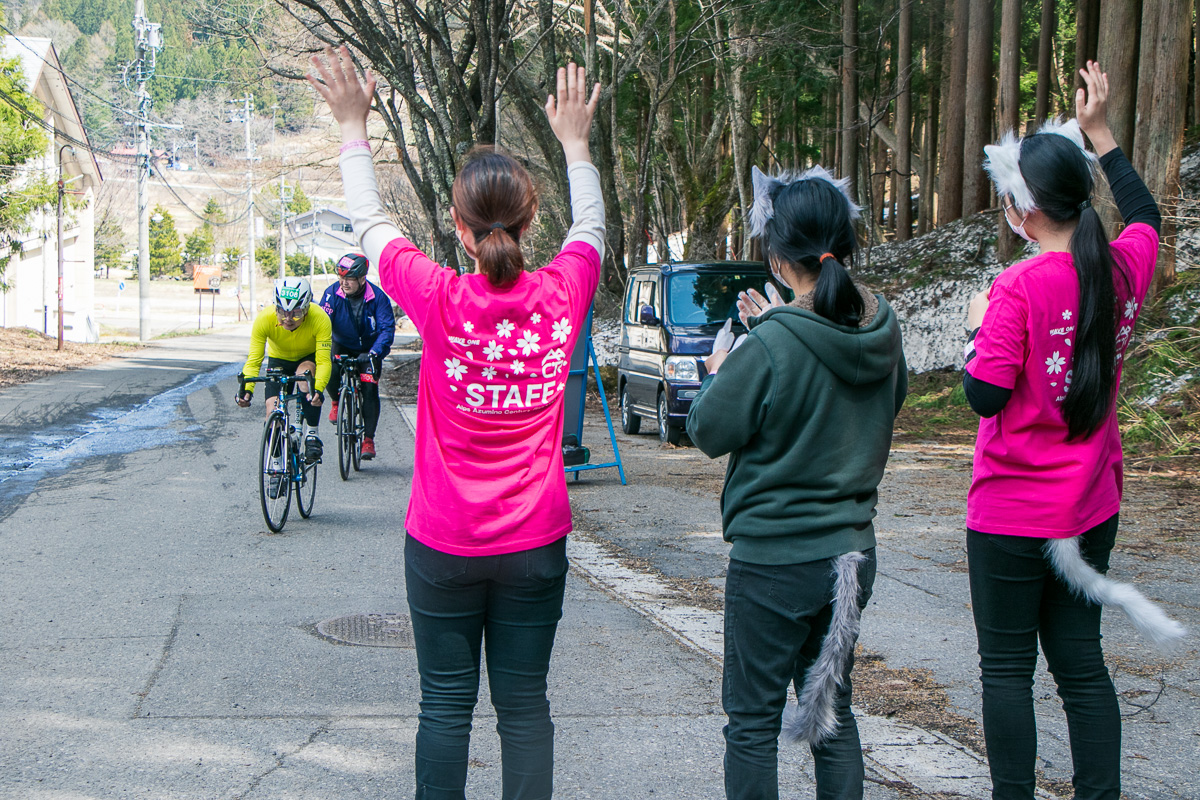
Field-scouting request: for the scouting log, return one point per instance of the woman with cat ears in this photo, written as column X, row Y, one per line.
column 805, row 406
column 1044, row 354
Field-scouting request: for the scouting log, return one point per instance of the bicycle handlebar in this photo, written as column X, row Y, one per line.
column 273, row 375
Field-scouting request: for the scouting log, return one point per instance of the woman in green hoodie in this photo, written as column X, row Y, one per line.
column 804, row 407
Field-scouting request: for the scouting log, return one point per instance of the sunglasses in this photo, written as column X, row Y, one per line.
column 291, row 315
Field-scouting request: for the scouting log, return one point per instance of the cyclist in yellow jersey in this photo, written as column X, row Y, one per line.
column 297, row 336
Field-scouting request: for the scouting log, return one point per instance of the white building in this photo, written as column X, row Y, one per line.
column 32, row 275
column 325, row 232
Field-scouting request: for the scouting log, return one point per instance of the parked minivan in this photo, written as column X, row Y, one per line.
column 671, row 315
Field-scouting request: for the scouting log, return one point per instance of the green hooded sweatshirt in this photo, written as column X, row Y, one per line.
column 805, row 408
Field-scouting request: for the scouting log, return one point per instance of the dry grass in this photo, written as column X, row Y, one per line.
column 26, row 355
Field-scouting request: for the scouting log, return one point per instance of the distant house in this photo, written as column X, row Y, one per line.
column 325, row 231
column 32, row 274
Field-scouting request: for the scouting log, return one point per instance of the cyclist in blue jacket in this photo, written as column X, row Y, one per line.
column 363, row 326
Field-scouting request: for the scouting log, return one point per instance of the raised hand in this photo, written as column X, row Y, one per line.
column 752, row 304
column 571, row 113
column 348, row 98
column 1091, row 108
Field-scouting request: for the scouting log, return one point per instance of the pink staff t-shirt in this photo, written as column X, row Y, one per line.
column 1028, row 479
column 489, row 477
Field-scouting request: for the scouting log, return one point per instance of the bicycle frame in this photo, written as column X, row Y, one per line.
column 295, row 472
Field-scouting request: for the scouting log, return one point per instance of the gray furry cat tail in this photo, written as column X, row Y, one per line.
column 1165, row 633
column 813, row 719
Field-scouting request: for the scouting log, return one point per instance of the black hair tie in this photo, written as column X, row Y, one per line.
column 1084, row 206
column 499, row 225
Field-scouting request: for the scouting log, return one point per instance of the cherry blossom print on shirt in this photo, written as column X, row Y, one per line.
column 517, row 366
column 1067, row 313
column 528, row 343
column 455, row 369
column 562, row 330
column 504, row 329
column 1131, row 307
column 1054, row 364
column 469, row 326
column 535, row 318
column 493, row 351
column 488, row 373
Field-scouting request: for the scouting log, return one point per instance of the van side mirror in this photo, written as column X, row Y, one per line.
column 646, row 316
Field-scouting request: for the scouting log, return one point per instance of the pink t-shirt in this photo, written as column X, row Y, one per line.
column 489, row 477
column 1028, row 479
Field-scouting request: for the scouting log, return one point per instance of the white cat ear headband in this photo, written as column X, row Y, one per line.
column 1002, row 161
column 763, row 208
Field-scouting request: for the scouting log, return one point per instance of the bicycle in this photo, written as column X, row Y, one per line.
column 283, row 468
column 351, row 426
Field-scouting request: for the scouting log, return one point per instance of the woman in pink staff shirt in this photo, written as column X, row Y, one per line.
column 1043, row 366
column 485, row 555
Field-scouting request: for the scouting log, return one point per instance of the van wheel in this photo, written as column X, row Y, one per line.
column 666, row 432
column 631, row 423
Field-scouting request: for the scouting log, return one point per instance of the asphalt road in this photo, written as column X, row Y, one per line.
column 157, row 642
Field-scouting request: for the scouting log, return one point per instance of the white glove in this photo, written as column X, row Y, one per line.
column 725, row 339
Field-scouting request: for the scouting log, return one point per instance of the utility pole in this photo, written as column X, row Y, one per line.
column 61, row 192
column 285, row 197
column 148, row 42
column 247, row 110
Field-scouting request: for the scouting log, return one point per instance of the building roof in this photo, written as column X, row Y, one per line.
column 45, row 80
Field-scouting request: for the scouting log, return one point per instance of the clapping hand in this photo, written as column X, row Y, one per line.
column 752, row 304
column 723, row 345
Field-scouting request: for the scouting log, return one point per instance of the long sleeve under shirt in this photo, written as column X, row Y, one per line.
column 1136, row 204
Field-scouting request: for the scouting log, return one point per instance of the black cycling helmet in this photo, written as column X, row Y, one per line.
column 352, row 265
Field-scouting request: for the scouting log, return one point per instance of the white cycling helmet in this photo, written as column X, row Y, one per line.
column 293, row 293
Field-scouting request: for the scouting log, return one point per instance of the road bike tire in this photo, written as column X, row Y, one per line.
column 345, row 431
column 359, row 432
column 275, row 443
column 306, row 488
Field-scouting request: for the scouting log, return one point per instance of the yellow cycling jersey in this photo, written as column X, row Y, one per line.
column 315, row 335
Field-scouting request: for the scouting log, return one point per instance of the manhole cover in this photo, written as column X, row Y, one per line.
column 371, row 630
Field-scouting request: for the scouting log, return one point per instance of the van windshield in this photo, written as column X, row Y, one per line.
column 700, row 298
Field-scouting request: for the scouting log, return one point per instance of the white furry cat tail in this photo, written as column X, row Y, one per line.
column 813, row 719
column 1164, row 632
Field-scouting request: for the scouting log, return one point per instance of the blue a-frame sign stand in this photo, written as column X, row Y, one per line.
column 583, row 357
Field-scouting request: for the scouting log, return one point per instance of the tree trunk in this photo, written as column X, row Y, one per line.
column 903, row 192
column 1162, row 93
column 1009, row 109
column 1045, row 69
column 850, row 133
column 977, row 133
column 1087, row 29
column 951, row 175
column 1120, row 22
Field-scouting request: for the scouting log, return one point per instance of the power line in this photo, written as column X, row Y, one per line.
column 36, row 119
column 158, row 172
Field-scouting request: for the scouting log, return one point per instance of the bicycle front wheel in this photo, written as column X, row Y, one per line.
column 274, row 486
column 345, row 430
column 306, row 488
column 359, row 431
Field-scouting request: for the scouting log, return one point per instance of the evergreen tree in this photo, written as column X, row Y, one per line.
column 165, row 255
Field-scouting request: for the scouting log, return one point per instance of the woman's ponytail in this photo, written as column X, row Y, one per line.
column 498, row 254
column 1093, row 369
column 836, row 297
column 1060, row 180
column 495, row 199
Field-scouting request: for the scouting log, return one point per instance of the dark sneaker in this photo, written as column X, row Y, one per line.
column 273, row 491
column 333, row 409
column 313, row 449
column 368, row 448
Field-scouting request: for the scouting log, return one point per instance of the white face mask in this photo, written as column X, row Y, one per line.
column 1019, row 230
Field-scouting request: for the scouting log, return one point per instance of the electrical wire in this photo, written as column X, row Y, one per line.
column 36, row 119
column 155, row 169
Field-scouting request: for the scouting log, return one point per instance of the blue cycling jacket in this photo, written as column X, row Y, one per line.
column 374, row 332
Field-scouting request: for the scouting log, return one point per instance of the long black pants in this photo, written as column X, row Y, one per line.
column 776, row 617
column 1018, row 600
column 510, row 605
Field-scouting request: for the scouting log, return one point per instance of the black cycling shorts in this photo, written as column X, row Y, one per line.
column 289, row 368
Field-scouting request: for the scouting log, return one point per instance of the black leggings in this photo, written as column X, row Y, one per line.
column 311, row 413
column 370, row 391
column 1018, row 600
